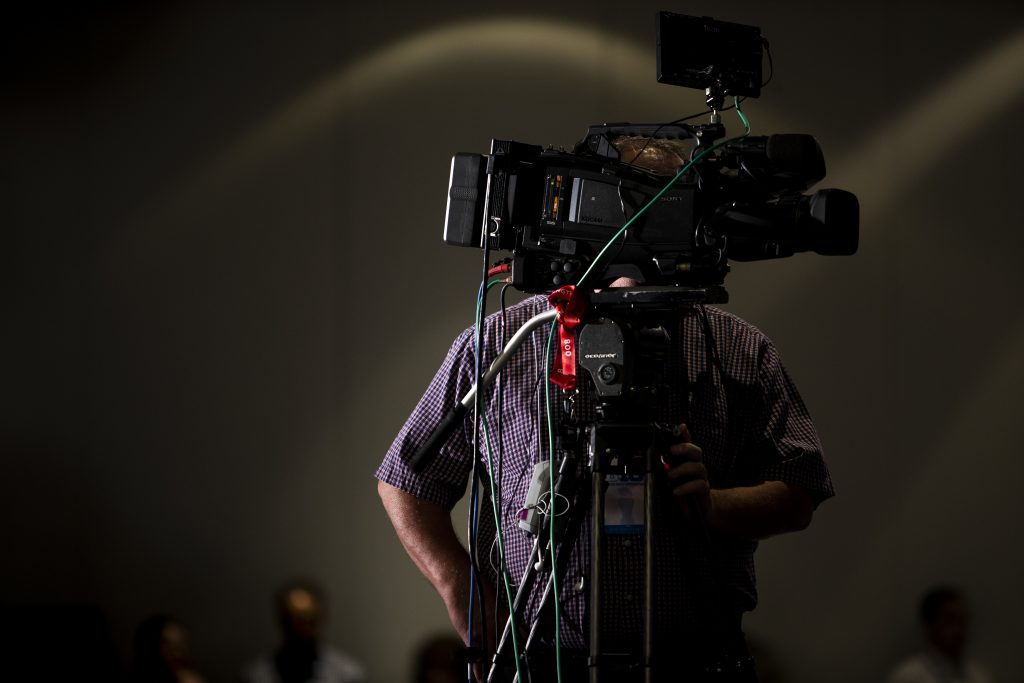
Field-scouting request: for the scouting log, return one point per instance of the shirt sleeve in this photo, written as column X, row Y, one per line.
column 443, row 479
column 787, row 438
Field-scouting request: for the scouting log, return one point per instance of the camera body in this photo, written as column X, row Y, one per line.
column 555, row 211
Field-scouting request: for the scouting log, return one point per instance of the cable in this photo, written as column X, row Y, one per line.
column 475, row 586
column 500, row 268
column 499, row 383
column 771, row 62
column 499, row 390
column 480, row 422
column 551, row 518
column 506, row 581
column 476, row 591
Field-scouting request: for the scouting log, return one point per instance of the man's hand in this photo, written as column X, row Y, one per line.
column 688, row 476
column 457, row 603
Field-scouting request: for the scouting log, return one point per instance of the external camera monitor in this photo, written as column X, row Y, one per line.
column 700, row 52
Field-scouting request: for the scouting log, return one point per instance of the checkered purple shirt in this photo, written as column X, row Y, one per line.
column 742, row 410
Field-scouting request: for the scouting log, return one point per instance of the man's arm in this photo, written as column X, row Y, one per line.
column 752, row 512
column 425, row 530
column 757, row 512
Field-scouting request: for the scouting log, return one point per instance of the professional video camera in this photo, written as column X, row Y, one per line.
column 740, row 199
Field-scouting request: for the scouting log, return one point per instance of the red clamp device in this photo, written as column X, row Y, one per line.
column 571, row 304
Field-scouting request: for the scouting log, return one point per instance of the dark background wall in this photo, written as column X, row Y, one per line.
column 223, row 288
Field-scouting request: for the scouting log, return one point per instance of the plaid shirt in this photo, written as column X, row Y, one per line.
column 741, row 409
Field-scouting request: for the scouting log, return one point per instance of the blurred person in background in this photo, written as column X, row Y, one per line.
column 945, row 620
column 161, row 653
column 440, row 658
column 302, row 657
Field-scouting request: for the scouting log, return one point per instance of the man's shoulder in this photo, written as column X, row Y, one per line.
column 726, row 318
column 510, row 319
column 525, row 308
column 729, row 327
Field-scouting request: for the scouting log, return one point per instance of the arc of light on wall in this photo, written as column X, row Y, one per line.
column 912, row 144
column 572, row 45
column 921, row 136
column 915, row 140
column 907, row 145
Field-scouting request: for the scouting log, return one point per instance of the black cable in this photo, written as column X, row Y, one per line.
column 696, row 170
column 771, row 62
column 710, row 348
column 476, row 479
column 499, row 390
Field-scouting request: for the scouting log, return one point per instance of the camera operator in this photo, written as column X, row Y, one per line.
column 747, row 454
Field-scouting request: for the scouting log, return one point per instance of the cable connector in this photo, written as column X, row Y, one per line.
column 529, row 515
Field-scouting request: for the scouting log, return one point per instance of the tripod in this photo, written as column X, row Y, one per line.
column 616, row 457
column 619, row 344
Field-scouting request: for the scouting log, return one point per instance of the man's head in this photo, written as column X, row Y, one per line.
column 945, row 618
column 657, row 155
column 300, row 611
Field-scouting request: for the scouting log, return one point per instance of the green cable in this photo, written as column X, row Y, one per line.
column 503, row 569
column 739, row 112
column 505, row 579
column 551, row 503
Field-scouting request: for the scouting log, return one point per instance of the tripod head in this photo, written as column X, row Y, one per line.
column 623, row 343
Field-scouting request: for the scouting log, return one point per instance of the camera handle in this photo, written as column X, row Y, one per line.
column 453, row 420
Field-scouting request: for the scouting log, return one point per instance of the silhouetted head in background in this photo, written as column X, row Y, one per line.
column 440, row 659
column 161, row 652
column 300, row 608
column 302, row 655
column 300, row 612
column 945, row 619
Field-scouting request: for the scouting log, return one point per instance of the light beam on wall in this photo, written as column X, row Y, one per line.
column 912, row 141
column 425, row 55
column 915, row 141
